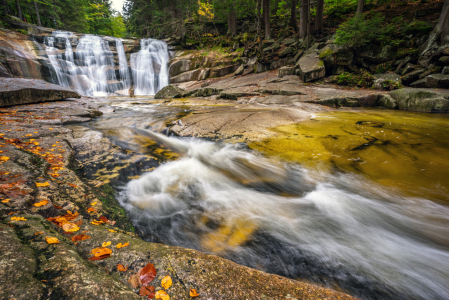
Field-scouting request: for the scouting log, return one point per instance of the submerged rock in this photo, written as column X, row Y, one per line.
column 15, row 91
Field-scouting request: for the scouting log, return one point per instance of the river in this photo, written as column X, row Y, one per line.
column 353, row 200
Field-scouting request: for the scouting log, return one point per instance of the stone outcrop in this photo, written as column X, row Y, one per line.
column 311, row 67
column 170, row 91
column 422, row 100
column 15, row 91
column 432, row 81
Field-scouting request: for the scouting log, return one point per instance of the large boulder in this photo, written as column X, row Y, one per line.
column 432, row 81
column 311, row 67
column 285, row 71
column 378, row 54
column 170, row 91
column 287, row 51
column 16, row 91
column 422, row 100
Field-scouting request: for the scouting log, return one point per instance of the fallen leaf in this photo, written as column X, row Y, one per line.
column 38, row 232
column 120, row 245
column 162, row 295
column 57, row 206
column 111, row 230
column 104, row 219
column 51, row 240
column 134, row 281
column 85, row 231
column 12, row 212
column 147, row 291
column 70, row 227
column 36, row 143
column 101, row 251
column 166, row 282
column 121, row 268
column 4, row 158
column 41, row 203
column 95, row 222
column 193, row 293
column 99, row 257
column 147, row 274
column 93, row 203
column 105, row 244
column 79, row 223
column 80, row 237
column 91, row 210
column 18, row 219
column 72, row 185
column 42, row 184
column 6, row 200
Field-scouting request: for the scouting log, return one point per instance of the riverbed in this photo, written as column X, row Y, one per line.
column 351, row 199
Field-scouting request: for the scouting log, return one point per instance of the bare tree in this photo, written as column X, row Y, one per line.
column 293, row 17
column 37, row 14
column 360, row 7
column 319, row 16
column 303, row 20
column 19, row 11
column 266, row 18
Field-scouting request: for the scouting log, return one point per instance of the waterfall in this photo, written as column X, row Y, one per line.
column 93, row 69
column 149, row 67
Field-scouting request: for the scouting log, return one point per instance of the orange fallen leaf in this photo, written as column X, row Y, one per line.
column 6, row 200
column 166, row 282
column 91, row 210
column 38, row 232
column 4, row 158
column 105, row 244
column 79, row 223
column 70, row 227
column 80, row 237
column 57, row 206
column 95, row 222
column 104, row 219
column 12, row 212
column 41, row 203
column 99, row 257
column 85, row 231
column 147, row 274
column 162, row 295
column 120, row 245
column 51, row 240
column 193, row 293
column 147, row 291
column 42, row 184
column 18, row 219
column 72, row 185
column 121, row 268
column 101, row 251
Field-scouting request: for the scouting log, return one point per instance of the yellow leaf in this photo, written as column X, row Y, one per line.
column 101, row 251
column 50, row 128
column 93, row 203
column 42, row 184
column 6, row 200
column 18, row 219
column 193, row 293
column 120, row 245
column 162, row 295
column 51, row 240
column 95, row 222
column 4, row 158
column 105, row 244
column 42, row 203
column 70, row 227
column 166, row 282
column 111, row 230
column 36, row 143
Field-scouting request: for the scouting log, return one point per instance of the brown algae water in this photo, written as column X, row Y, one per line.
column 404, row 151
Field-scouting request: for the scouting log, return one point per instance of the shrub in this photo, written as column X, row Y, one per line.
column 364, row 79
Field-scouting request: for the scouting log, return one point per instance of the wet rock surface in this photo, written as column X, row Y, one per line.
column 44, row 170
column 15, row 91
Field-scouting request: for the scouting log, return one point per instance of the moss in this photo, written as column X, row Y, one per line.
column 326, row 53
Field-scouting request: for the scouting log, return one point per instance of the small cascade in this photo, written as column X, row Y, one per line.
column 125, row 77
column 149, row 67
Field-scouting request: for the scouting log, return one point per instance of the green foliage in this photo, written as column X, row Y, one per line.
column 282, row 9
column 364, row 79
column 390, row 85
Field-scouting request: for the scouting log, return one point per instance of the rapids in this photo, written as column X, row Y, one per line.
column 332, row 226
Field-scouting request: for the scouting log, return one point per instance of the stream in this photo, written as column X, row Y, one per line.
column 353, row 200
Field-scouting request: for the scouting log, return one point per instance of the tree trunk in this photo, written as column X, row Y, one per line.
column 441, row 31
column 266, row 17
column 319, row 16
column 232, row 18
column 259, row 15
column 5, row 7
column 360, row 7
column 19, row 11
column 37, row 14
column 293, row 17
column 303, row 20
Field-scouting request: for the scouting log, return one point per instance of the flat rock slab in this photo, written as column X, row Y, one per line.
column 16, row 91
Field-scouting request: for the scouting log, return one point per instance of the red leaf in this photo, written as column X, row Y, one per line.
column 148, row 274
column 57, row 206
column 147, row 291
column 104, row 219
column 99, row 257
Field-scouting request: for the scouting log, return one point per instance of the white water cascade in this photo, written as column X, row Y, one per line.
column 149, row 67
column 93, row 69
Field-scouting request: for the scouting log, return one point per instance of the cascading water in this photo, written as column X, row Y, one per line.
column 92, row 69
column 149, row 67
